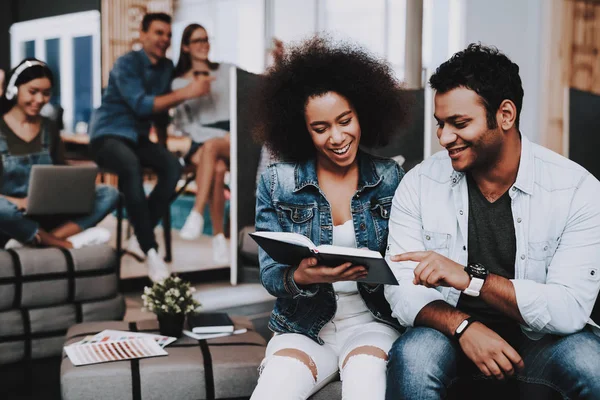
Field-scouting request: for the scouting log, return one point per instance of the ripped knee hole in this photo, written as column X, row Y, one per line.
column 366, row 350
column 300, row 356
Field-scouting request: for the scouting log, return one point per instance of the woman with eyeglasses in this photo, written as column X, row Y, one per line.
column 205, row 120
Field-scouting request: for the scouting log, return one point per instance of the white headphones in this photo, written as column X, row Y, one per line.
column 11, row 89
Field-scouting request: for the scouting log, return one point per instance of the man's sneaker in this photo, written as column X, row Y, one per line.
column 13, row 244
column 157, row 268
column 220, row 249
column 193, row 227
column 90, row 237
column 133, row 247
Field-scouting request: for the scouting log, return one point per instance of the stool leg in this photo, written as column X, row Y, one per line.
column 119, row 234
column 120, row 225
column 166, row 223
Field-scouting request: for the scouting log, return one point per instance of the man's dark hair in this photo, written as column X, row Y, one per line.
column 313, row 68
column 148, row 18
column 486, row 71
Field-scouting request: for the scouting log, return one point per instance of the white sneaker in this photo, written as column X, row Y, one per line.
column 133, row 247
column 90, row 237
column 13, row 244
column 220, row 249
column 193, row 227
column 157, row 268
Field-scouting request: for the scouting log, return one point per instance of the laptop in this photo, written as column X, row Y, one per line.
column 61, row 189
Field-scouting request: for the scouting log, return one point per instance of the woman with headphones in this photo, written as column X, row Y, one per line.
column 27, row 139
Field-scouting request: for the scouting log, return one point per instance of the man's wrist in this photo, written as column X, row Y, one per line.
column 478, row 275
column 462, row 327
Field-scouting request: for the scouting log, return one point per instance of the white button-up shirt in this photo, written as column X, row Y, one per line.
column 556, row 209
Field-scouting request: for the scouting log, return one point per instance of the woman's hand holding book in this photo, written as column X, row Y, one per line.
column 309, row 272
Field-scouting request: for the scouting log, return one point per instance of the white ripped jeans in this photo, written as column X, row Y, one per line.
column 363, row 376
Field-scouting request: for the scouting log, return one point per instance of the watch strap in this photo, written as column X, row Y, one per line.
column 474, row 287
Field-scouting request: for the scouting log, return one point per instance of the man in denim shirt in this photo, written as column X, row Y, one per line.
column 496, row 246
column 137, row 96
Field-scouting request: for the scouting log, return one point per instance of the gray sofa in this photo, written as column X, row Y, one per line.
column 43, row 292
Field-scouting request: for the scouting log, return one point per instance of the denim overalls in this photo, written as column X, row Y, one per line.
column 289, row 200
column 15, row 183
column 16, row 169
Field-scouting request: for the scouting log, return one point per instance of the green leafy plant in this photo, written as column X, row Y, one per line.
column 171, row 296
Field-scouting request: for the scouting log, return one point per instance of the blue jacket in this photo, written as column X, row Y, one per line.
column 128, row 99
column 289, row 200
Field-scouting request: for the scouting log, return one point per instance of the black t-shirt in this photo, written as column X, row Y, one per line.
column 492, row 242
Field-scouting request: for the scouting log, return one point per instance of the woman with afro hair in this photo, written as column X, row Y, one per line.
column 317, row 106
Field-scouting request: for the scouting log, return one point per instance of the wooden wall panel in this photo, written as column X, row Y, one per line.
column 121, row 20
column 573, row 61
column 584, row 41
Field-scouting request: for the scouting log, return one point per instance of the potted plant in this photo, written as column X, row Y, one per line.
column 170, row 299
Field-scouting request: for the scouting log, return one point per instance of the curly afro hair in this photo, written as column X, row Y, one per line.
column 313, row 68
column 486, row 71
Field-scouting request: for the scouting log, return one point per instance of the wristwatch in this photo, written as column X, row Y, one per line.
column 462, row 327
column 478, row 275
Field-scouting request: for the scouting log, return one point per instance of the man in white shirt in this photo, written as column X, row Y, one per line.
column 495, row 242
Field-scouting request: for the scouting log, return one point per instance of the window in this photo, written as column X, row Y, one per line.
column 53, row 61
column 29, row 49
column 376, row 25
column 82, row 87
column 235, row 28
column 70, row 45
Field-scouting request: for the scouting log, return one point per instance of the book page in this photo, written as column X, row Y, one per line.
column 348, row 251
column 287, row 237
column 200, row 336
column 94, row 353
column 113, row 335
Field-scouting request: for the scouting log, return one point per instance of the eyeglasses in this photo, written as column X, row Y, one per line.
column 199, row 40
column 198, row 73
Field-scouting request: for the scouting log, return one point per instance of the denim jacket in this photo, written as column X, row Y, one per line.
column 289, row 200
column 557, row 227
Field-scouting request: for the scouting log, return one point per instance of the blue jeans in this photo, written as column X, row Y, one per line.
column 424, row 363
column 14, row 224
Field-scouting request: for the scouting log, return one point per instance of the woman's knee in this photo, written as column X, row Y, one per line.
column 372, row 351
column 220, row 167
column 107, row 197
column 14, row 224
column 301, row 356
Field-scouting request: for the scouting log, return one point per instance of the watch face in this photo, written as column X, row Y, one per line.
column 477, row 270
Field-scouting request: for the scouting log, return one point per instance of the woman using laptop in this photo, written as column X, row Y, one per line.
column 206, row 121
column 27, row 139
column 316, row 107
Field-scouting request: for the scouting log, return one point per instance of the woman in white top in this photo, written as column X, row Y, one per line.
column 315, row 108
column 206, row 120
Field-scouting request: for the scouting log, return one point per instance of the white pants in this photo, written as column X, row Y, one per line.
column 363, row 376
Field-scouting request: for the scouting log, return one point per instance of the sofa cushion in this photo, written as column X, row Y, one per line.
column 33, row 277
column 40, row 332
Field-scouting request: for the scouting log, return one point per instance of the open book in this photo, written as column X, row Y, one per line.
column 113, row 350
column 290, row 248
